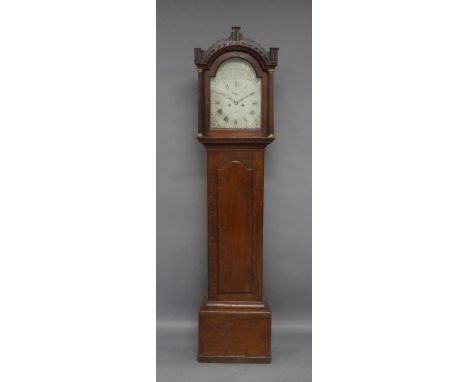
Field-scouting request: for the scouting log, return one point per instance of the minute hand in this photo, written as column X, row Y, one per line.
column 243, row 98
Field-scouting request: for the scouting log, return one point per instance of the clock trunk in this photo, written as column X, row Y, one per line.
column 235, row 322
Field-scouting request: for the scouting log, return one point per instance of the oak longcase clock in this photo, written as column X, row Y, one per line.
column 235, row 123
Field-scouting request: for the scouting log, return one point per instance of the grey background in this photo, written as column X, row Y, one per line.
column 181, row 186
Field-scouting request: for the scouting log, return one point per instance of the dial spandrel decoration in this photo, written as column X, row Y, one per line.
column 236, row 96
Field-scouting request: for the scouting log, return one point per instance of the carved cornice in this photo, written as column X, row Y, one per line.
column 236, row 41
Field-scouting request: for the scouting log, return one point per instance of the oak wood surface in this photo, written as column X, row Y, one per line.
column 235, row 223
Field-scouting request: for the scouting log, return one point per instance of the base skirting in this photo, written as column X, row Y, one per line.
column 234, row 359
column 234, row 332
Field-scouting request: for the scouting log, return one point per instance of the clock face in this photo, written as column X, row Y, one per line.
column 236, row 96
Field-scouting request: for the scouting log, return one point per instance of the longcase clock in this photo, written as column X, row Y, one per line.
column 235, row 123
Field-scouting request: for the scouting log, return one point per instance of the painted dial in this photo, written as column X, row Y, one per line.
column 235, row 96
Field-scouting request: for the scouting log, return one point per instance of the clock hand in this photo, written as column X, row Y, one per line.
column 243, row 98
column 226, row 95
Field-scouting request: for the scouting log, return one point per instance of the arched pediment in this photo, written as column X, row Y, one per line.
column 236, row 41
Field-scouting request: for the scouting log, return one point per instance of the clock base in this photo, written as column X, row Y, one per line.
column 234, row 332
column 233, row 359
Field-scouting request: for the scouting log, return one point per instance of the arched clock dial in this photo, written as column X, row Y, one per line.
column 236, row 96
